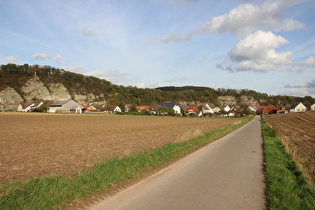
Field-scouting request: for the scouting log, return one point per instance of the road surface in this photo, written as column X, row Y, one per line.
column 226, row 174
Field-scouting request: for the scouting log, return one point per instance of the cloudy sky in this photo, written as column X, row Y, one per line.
column 267, row 46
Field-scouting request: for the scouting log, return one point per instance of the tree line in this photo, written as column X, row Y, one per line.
column 15, row 76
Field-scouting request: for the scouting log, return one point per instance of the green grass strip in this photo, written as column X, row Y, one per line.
column 286, row 186
column 56, row 191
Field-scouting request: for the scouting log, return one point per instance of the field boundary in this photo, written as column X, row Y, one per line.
column 57, row 191
column 286, row 185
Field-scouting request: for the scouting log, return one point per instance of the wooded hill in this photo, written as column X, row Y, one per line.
column 16, row 76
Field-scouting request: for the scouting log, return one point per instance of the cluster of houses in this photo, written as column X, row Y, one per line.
column 70, row 106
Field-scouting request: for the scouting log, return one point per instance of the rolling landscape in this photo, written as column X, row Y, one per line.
column 157, row 104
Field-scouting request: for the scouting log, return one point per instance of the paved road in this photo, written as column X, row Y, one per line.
column 226, row 174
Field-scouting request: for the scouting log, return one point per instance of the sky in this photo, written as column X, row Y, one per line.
column 267, row 46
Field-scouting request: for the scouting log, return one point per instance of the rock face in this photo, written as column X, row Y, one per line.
column 249, row 100
column 9, row 99
column 35, row 89
column 227, row 100
column 58, row 92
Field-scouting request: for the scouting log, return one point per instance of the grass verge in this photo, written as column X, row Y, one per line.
column 56, row 191
column 286, row 186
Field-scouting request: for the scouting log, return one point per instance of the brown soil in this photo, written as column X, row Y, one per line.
column 297, row 132
column 33, row 145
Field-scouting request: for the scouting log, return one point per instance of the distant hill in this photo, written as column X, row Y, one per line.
column 25, row 83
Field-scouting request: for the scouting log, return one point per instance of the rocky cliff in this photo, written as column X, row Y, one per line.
column 34, row 89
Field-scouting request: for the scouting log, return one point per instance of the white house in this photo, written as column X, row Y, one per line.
column 226, row 108
column 216, row 109
column 111, row 109
column 300, row 108
column 173, row 106
column 313, row 107
column 25, row 107
column 65, row 106
column 208, row 109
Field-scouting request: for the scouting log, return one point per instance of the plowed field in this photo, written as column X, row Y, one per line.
column 35, row 144
column 297, row 132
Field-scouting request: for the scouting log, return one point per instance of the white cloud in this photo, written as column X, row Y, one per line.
column 201, row 59
column 58, row 59
column 113, row 76
column 10, row 59
column 146, row 85
column 41, row 56
column 257, row 52
column 302, row 88
column 77, row 69
column 244, row 19
column 299, row 92
column 308, row 63
column 87, row 32
column 176, row 38
column 302, row 84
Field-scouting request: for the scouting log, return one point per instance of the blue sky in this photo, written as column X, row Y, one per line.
column 267, row 46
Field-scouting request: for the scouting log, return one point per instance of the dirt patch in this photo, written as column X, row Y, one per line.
column 34, row 145
column 297, row 133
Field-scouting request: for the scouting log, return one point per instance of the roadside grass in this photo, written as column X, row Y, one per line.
column 286, row 185
column 57, row 191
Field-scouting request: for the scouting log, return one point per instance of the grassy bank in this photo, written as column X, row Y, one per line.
column 286, row 185
column 57, row 191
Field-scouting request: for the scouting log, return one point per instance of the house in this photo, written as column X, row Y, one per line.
column 47, row 103
column 252, row 108
column 300, row 108
column 216, row 110
column 65, row 106
column 208, row 109
column 183, row 108
column 313, row 107
column 173, row 106
column 89, row 108
column 191, row 110
column 111, row 109
column 225, row 108
column 285, row 108
column 266, row 109
column 25, row 107
column 140, row 108
column 98, row 107
column 154, row 110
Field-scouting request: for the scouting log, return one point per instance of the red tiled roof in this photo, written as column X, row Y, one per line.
column 142, row 108
column 89, row 108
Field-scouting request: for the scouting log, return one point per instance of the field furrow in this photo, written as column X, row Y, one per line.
column 34, row 145
column 297, row 132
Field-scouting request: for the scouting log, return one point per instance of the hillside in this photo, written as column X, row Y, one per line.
column 26, row 83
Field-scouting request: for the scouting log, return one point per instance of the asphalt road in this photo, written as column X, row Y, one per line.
column 226, row 174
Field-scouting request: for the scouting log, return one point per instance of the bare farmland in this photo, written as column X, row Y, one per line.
column 34, row 144
column 297, row 133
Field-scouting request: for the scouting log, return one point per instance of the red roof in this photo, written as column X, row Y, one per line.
column 89, row 108
column 191, row 109
column 266, row 109
column 142, row 108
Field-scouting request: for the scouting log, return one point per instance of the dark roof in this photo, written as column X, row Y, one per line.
column 109, row 108
column 168, row 104
column 47, row 103
column 59, row 103
column 183, row 107
column 25, row 105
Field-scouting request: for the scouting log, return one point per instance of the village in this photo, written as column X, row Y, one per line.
column 165, row 108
